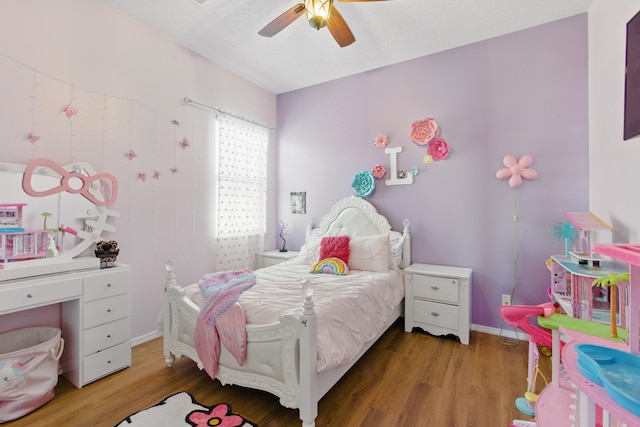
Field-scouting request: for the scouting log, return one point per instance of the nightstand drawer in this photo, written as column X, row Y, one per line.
column 106, row 285
column 436, row 288
column 106, row 310
column 106, row 362
column 268, row 261
column 105, row 336
column 270, row 258
column 435, row 314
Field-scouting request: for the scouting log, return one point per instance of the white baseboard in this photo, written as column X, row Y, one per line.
column 144, row 338
column 507, row 331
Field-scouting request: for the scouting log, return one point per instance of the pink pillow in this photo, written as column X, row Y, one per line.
column 335, row 247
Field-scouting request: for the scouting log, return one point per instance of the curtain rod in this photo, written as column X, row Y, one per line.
column 188, row 101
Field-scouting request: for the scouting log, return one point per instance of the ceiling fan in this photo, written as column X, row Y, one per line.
column 320, row 13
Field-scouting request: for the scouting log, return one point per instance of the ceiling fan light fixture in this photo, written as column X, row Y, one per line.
column 318, row 11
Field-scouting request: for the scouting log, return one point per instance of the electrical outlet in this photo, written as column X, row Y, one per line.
column 506, row 299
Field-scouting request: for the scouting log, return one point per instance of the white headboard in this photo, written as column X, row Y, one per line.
column 356, row 217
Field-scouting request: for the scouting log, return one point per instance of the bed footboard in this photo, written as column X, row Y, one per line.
column 291, row 375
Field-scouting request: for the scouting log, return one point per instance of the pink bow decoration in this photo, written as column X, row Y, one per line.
column 515, row 170
column 69, row 182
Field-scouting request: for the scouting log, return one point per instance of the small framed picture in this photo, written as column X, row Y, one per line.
column 299, row 202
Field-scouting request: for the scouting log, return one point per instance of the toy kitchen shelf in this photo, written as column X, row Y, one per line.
column 571, row 399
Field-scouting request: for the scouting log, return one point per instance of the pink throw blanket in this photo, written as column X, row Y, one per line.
column 221, row 318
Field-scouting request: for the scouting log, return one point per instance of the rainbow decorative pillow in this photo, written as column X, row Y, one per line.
column 331, row 266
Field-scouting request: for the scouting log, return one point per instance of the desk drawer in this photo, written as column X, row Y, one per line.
column 19, row 297
column 105, row 284
column 105, row 336
column 106, row 310
column 435, row 314
column 106, row 362
column 436, row 288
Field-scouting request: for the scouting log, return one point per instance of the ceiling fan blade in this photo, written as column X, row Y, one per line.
column 339, row 28
column 278, row 24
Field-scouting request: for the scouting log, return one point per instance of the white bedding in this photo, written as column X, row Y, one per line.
column 351, row 309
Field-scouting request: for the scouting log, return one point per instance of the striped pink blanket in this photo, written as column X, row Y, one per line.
column 222, row 319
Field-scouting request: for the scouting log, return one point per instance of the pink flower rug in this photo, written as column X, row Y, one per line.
column 181, row 409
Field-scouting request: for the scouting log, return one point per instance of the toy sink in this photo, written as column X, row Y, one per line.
column 618, row 372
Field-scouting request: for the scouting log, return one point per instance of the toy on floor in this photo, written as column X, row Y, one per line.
column 522, row 423
column 518, row 316
column 540, row 341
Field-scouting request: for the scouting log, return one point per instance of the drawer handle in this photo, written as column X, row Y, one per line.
column 108, row 310
column 434, row 314
column 108, row 362
column 108, row 285
column 435, row 288
column 29, row 296
column 109, row 336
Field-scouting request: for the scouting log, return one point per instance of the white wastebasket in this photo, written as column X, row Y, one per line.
column 28, row 369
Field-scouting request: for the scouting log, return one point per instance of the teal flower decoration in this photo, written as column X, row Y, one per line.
column 363, row 184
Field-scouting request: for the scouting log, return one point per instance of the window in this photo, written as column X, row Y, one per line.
column 241, row 191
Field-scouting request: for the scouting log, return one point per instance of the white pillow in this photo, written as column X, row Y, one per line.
column 309, row 252
column 370, row 253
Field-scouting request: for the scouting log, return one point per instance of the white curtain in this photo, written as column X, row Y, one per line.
column 241, row 196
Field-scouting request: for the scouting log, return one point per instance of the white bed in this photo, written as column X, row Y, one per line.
column 294, row 354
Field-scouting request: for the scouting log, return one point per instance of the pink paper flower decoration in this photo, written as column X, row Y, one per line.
column 184, row 143
column 515, row 170
column 381, row 141
column 423, row 131
column 174, row 170
column 175, row 122
column 438, row 149
column 70, row 111
column 378, row 171
column 156, row 175
column 142, row 176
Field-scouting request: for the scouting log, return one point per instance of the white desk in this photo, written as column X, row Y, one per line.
column 95, row 316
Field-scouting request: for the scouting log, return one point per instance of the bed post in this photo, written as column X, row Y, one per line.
column 308, row 230
column 406, row 244
column 307, row 328
column 170, row 282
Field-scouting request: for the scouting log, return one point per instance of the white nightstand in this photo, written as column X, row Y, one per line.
column 438, row 300
column 276, row 257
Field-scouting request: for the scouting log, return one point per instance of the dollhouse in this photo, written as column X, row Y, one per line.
column 586, row 223
column 11, row 217
column 573, row 398
column 17, row 243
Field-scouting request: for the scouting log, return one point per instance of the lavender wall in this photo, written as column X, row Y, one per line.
column 522, row 93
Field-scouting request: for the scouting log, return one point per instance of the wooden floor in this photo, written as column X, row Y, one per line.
column 406, row 379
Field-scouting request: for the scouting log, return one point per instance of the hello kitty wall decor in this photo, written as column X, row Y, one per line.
column 73, row 181
column 515, row 170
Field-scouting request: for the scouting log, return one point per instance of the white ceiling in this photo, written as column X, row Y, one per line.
column 386, row 32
